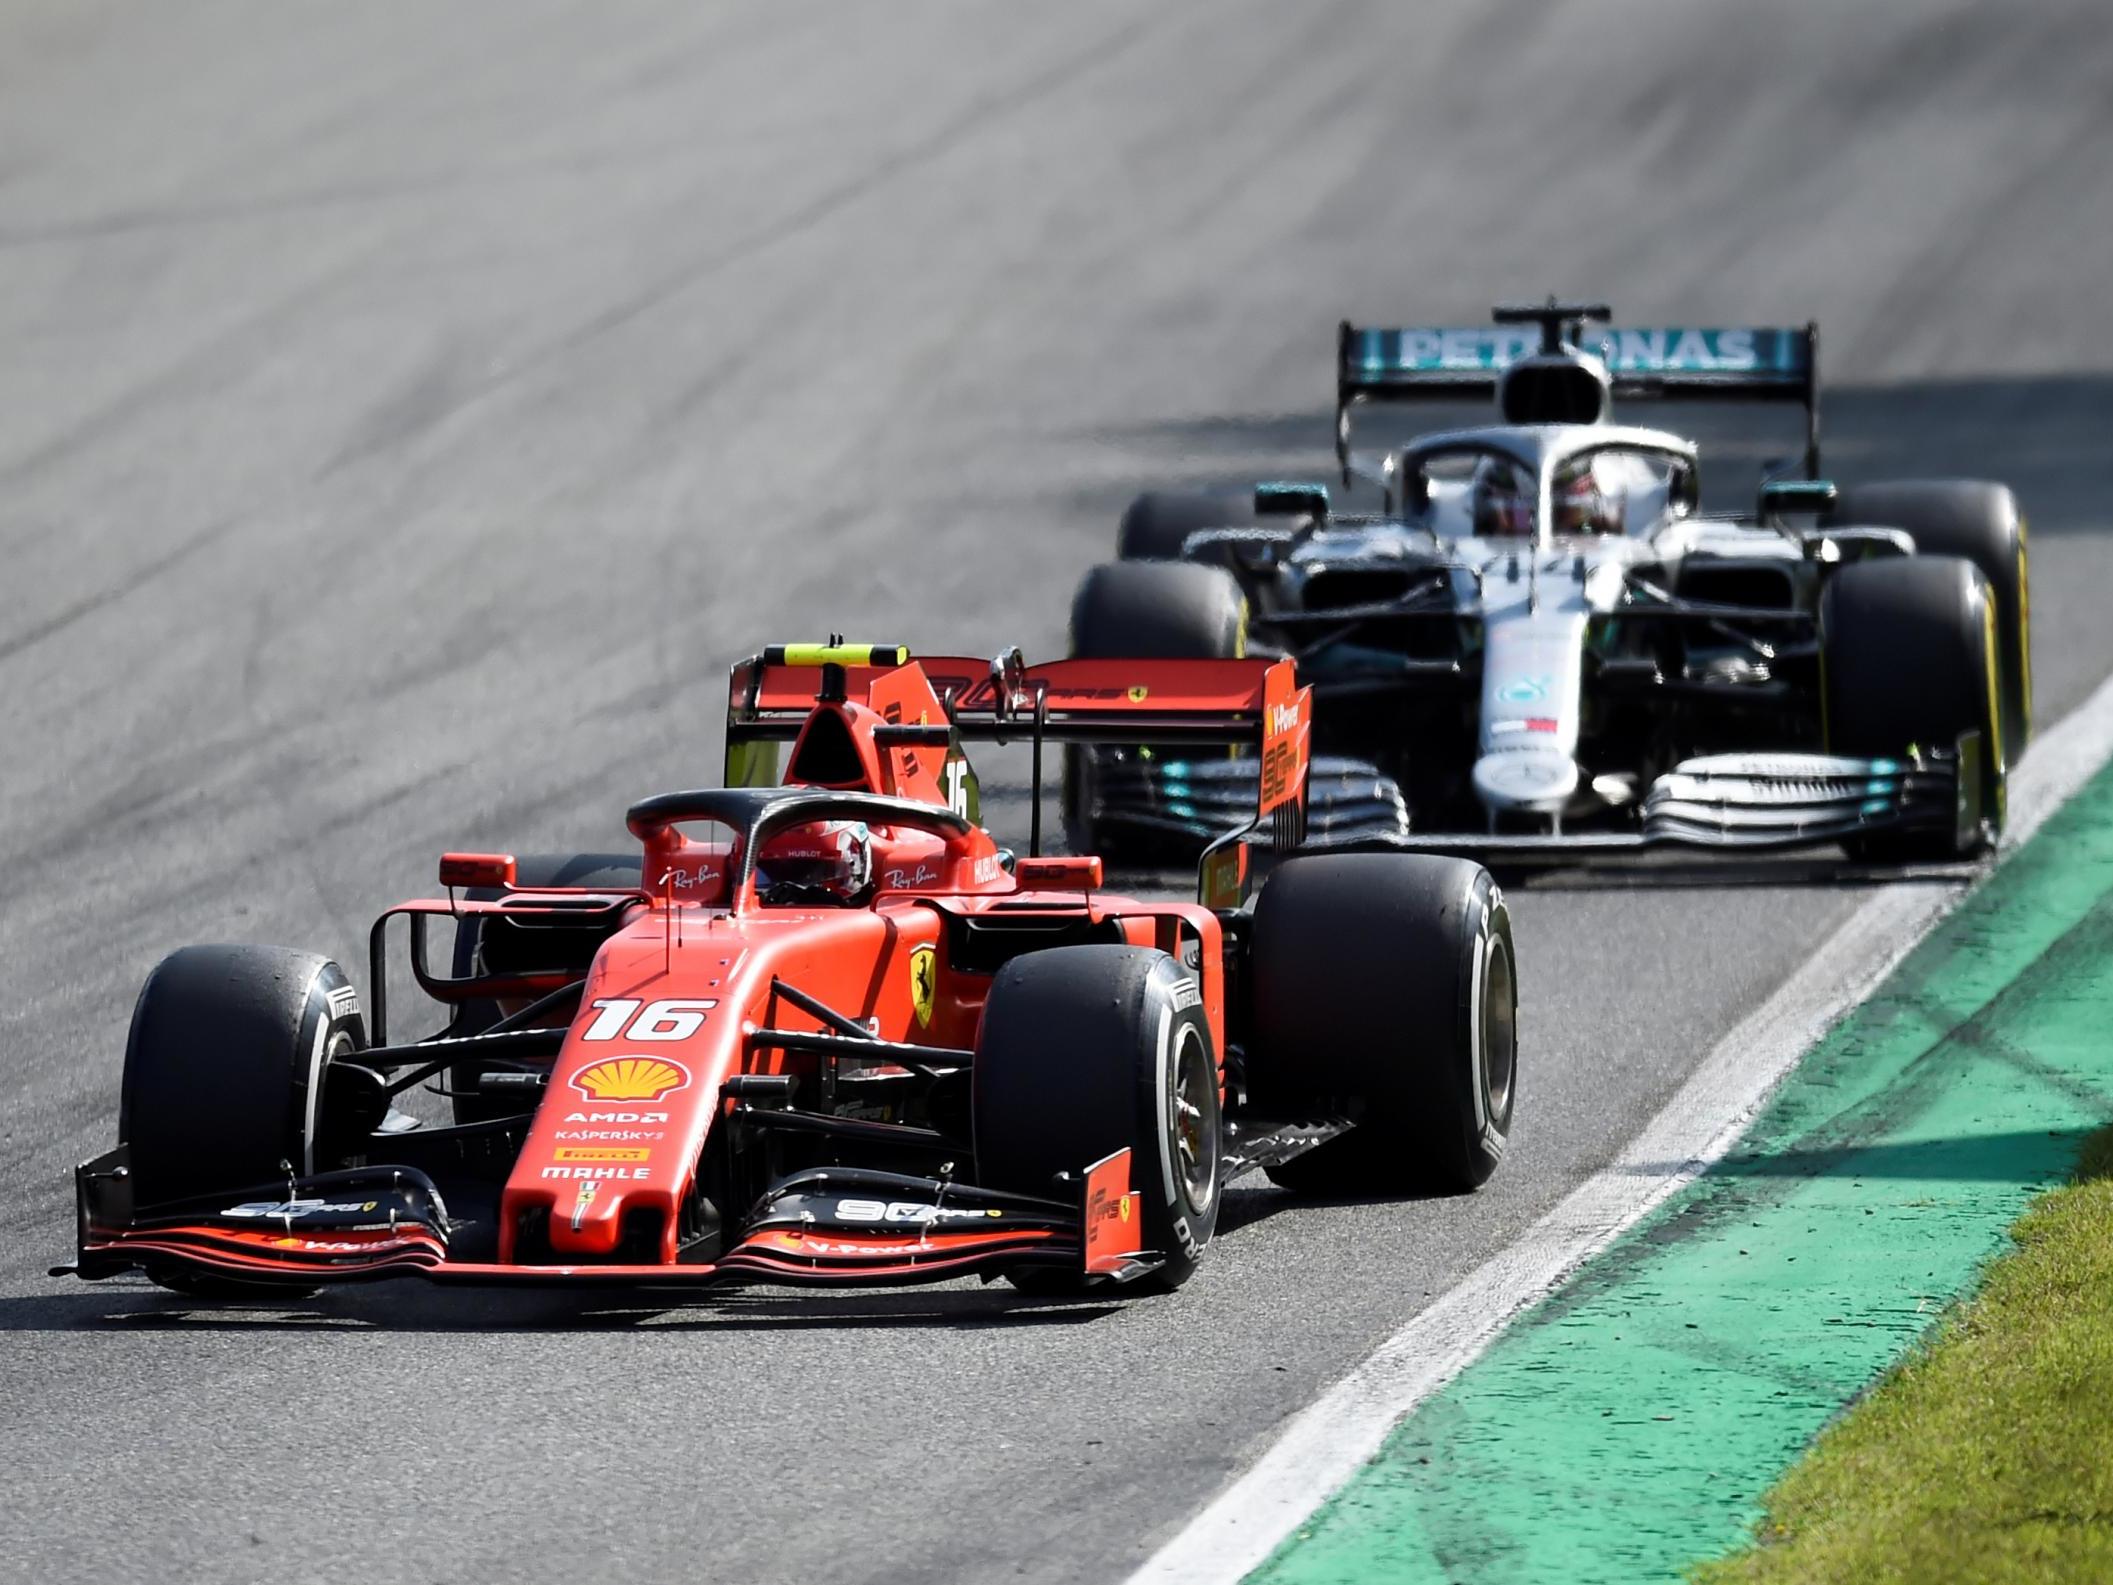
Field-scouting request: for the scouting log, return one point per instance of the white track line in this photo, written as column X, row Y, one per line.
column 1323, row 1445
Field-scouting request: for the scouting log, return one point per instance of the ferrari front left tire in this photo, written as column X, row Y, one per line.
column 1084, row 1051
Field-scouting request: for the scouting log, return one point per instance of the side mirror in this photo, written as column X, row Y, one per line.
column 1683, row 490
column 1779, row 496
column 493, row 870
column 1291, row 500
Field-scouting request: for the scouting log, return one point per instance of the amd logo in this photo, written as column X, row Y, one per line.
column 616, row 1117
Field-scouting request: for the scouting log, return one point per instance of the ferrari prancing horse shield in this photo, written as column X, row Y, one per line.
column 924, row 980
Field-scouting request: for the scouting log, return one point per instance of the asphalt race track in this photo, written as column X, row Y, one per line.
column 407, row 412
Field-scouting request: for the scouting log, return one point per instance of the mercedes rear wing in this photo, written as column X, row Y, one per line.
column 1252, row 704
column 1757, row 363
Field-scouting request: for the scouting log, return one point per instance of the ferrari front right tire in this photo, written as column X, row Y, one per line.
column 224, row 1069
column 224, row 1086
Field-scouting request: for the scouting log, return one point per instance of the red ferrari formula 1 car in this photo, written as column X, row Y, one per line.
column 828, row 1031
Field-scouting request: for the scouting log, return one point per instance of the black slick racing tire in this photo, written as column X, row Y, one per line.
column 1155, row 525
column 1908, row 649
column 1145, row 610
column 224, row 1080
column 1979, row 520
column 1083, row 1051
column 618, row 871
column 1158, row 611
column 1387, row 984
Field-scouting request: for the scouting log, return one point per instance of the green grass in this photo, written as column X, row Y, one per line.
column 1987, row 1455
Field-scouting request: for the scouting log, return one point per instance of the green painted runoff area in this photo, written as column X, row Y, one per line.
column 1627, row 1427
column 1981, row 1458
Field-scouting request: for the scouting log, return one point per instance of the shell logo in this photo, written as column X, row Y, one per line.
column 630, row 1079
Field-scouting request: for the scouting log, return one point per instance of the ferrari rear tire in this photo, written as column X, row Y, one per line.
column 619, row 871
column 1387, row 984
column 1084, row 1051
column 1980, row 521
column 1910, row 658
column 1156, row 524
column 224, row 1080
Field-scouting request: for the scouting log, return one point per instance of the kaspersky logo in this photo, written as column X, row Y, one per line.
column 631, row 1079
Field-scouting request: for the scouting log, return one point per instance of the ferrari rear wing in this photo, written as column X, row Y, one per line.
column 1000, row 700
column 1756, row 363
column 1241, row 703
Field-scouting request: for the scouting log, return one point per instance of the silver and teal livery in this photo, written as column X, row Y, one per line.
column 1540, row 641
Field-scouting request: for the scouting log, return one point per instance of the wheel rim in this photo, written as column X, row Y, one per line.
column 1997, row 748
column 1191, row 1128
column 1499, row 1035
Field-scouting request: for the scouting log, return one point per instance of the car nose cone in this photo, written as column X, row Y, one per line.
column 1526, row 778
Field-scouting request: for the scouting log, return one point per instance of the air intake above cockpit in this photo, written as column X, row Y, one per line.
column 1556, row 388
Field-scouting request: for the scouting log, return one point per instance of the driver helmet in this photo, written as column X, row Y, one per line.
column 1579, row 502
column 1503, row 498
column 827, row 861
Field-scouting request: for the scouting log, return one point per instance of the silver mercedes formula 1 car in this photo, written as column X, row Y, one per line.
column 1541, row 644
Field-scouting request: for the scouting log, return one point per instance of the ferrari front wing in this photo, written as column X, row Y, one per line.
column 826, row 1227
